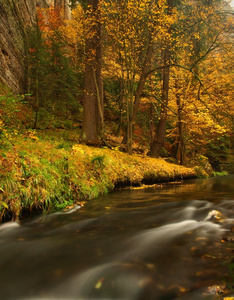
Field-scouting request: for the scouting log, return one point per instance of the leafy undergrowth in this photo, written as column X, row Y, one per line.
column 50, row 174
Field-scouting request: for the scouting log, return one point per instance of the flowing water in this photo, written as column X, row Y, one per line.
column 162, row 242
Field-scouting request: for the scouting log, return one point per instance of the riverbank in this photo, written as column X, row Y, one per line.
column 44, row 175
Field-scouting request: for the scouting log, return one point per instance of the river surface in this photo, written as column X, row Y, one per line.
column 135, row 244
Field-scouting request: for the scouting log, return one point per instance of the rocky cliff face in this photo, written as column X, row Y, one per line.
column 15, row 17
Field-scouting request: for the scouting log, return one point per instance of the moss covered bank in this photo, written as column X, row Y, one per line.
column 46, row 175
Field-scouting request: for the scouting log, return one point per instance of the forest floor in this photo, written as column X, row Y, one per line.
column 51, row 171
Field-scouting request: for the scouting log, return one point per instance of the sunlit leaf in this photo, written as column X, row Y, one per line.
column 99, row 283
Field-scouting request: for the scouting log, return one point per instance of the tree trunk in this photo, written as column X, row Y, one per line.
column 142, row 80
column 159, row 141
column 93, row 88
column 99, row 83
column 89, row 102
column 181, row 147
column 120, row 102
column 151, row 122
column 137, row 98
column 64, row 8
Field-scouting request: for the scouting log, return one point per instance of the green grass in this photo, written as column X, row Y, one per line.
column 42, row 173
column 223, row 173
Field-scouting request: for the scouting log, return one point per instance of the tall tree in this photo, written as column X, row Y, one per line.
column 159, row 140
column 93, row 88
column 52, row 81
column 191, row 92
column 135, row 31
column 64, row 8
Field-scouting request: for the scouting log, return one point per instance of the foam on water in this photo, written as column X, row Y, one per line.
column 126, row 284
column 6, row 228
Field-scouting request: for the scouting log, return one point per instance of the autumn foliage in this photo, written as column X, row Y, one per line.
column 133, row 39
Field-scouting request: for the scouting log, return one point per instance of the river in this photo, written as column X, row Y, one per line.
column 158, row 243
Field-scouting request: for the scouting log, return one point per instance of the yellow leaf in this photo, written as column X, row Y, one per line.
column 98, row 285
column 4, row 203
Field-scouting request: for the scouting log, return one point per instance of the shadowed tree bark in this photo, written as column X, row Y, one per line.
column 159, row 140
column 63, row 6
column 93, row 87
column 137, row 98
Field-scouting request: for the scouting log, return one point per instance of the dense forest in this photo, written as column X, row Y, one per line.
column 145, row 76
column 158, row 73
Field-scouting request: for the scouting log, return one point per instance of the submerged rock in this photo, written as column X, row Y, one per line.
column 215, row 216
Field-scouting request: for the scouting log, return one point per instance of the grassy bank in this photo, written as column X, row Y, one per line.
column 47, row 174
